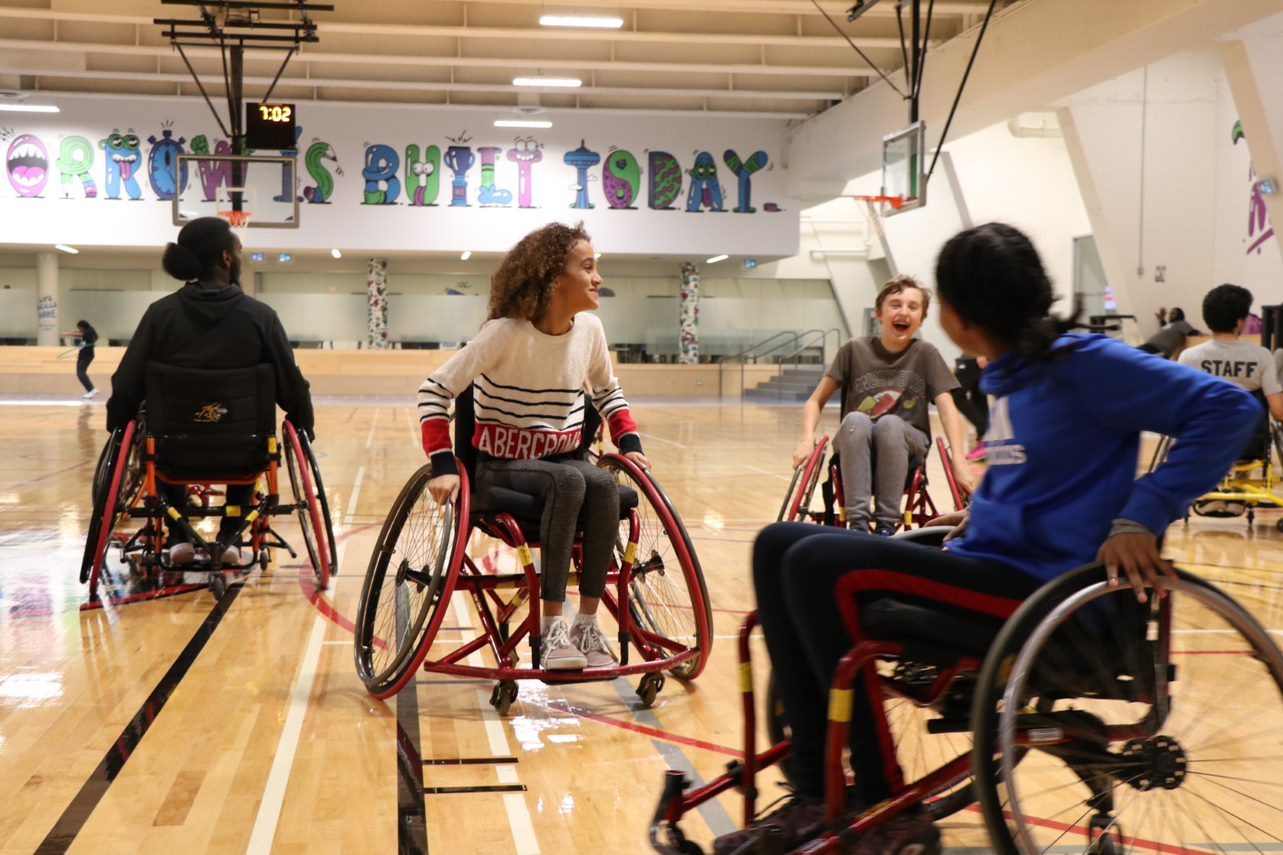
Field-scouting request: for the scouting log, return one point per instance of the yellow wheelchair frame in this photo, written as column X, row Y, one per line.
column 1250, row 483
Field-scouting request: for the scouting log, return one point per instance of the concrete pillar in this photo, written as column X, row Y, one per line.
column 47, row 299
column 688, row 316
column 376, row 291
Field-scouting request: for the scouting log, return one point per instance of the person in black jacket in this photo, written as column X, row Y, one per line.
column 208, row 323
column 88, row 338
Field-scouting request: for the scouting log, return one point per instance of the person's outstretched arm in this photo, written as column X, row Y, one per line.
column 811, row 412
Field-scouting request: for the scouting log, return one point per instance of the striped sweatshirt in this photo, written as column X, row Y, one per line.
column 529, row 392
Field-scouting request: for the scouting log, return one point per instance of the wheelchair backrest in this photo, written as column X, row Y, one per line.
column 210, row 424
column 465, row 424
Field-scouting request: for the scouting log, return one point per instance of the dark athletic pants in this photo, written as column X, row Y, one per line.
column 795, row 568
column 83, row 358
column 236, row 494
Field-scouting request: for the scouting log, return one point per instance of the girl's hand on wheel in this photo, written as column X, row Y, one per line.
column 444, row 488
column 957, row 519
column 1136, row 555
column 803, row 452
column 640, row 459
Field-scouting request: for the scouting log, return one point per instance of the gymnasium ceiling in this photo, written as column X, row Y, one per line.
column 773, row 58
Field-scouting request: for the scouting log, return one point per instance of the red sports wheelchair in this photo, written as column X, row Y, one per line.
column 919, row 508
column 1079, row 720
column 655, row 589
column 201, row 428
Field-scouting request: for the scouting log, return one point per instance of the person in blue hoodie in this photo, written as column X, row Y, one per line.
column 208, row 323
column 1060, row 492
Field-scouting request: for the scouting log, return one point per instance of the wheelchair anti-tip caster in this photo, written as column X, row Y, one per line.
column 264, row 558
column 502, row 696
column 218, row 585
column 649, row 687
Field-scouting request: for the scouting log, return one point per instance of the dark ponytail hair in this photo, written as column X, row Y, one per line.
column 992, row 277
column 199, row 248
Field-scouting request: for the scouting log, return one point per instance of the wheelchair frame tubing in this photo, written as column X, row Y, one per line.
column 108, row 521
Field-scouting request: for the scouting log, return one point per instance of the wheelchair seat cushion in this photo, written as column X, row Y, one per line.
column 930, row 635
column 527, row 509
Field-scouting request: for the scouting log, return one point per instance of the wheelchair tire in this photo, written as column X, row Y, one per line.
column 321, row 497
column 412, row 573
column 797, row 501
column 117, row 480
column 670, row 609
column 1076, row 675
column 318, row 537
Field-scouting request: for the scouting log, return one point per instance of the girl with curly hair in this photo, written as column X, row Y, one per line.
column 529, row 366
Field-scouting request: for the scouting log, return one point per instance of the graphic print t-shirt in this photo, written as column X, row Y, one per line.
column 876, row 382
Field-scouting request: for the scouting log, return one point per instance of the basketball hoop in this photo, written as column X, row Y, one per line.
column 896, row 202
column 237, row 219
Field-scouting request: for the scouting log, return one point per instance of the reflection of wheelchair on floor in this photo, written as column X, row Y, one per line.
column 655, row 589
column 1249, row 485
column 1088, row 722
column 201, row 428
column 799, row 506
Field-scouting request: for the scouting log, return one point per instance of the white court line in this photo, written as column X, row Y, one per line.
column 650, row 436
column 772, row 474
column 369, row 437
column 269, row 809
column 523, row 830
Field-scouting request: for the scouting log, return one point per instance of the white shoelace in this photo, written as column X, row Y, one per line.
column 558, row 636
column 594, row 641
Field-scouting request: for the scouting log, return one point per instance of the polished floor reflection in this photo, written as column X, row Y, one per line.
column 176, row 725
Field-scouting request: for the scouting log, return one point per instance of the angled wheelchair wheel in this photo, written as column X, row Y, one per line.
column 797, row 501
column 117, row 482
column 668, row 597
column 1109, row 724
column 408, row 583
column 314, row 522
column 323, row 498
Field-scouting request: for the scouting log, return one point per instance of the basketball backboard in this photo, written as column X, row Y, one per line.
column 904, row 169
column 258, row 192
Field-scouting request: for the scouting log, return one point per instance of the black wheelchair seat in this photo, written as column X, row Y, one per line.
column 488, row 501
column 210, row 425
column 930, row 636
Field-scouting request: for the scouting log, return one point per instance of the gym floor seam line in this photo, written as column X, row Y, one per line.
column 73, row 818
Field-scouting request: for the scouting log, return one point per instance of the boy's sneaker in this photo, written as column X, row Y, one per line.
column 181, row 553
column 886, row 531
column 231, row 556
column 559, row 652
column 908, row 834
column 795, row 822
column 587, row 637
column 89, row 394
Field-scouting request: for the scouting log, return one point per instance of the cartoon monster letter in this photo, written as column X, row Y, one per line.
column 122, row 165
column 744, row 169
column 525, row 153
column 582, row 160
column 621, row 179
column 665, row 180
column 381, row 165
column 706, row 190
column 489, row 194
column 162, row 165
column 28, row 165
column 422, row 175
column 75, row 162
column 213, row 173
column 314, row 160
column 460, row 159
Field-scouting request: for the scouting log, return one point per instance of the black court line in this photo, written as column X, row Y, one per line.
column 73, row 819
column 468, row 761
column 489, row 788
column 411, row 810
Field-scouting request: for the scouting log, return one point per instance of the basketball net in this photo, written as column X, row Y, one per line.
column 873, row 212
column 237, row 219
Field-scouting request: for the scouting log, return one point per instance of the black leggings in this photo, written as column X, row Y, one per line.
column 795, row 568
column 83, row 358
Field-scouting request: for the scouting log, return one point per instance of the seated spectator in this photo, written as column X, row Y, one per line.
column 1170, row 340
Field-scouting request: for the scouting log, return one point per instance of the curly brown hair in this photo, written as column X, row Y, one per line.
column 522, row 286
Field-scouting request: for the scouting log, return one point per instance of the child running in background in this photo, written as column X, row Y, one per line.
column 528, row 365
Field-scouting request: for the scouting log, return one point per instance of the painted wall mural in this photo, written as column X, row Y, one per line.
column 112, row 154
column 1259, row 228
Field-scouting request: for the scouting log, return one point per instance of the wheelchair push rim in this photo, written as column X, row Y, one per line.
column 310, row 519
column 1165, row 737
column 797, row 501
column 315, row 468
column 670, row 611
column 399, row 614
column 119, row 488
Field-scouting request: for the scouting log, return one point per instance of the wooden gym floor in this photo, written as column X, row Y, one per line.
column 178, row 726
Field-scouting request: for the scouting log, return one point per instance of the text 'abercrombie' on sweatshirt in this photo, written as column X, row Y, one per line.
column 529, row 392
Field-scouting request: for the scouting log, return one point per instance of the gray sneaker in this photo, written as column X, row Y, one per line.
column 559, row 652
column 181, row 553
column 232, row 556
column 588, row 638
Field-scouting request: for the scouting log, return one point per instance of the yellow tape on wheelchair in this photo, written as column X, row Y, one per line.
column 271, row 445
column 746, row 678
column 173, row 513
column 630, row 554
column 840, row 703
column 523, row 554
column 231, row 510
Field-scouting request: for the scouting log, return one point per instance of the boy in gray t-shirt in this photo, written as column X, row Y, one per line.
column 887, row 382
column 1248, row 366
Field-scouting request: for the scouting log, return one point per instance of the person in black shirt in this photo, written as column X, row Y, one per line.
column 88, row 336
column 208, row 323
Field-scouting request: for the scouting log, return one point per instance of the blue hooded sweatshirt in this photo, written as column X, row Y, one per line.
column 1063, row 444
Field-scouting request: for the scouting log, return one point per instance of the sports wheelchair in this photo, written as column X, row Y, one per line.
column 919, row 507
column 1079, row 719
column 201, row 428
column 655, row 589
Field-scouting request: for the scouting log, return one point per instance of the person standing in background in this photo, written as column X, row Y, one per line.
column 88, row 337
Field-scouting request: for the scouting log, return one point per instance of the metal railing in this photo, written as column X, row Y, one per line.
column 801, row 343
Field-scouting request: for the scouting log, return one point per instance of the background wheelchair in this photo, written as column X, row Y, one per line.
column 655, row 589
column 1080, row 720
column 201, row 428
column 918, row 507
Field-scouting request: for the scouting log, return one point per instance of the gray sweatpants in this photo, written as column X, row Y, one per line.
column 566, row 485
column 891, row 441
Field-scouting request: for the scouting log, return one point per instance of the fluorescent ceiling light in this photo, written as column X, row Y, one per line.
column 603, row 22
column 522, row 123
column 559, row 82
column 29, row 108
column 336, row 253
column 716, row 259
column 467, row 253
column 70, row 250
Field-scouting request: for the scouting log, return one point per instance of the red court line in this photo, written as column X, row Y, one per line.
column 654, row 733
column 1151, row 845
